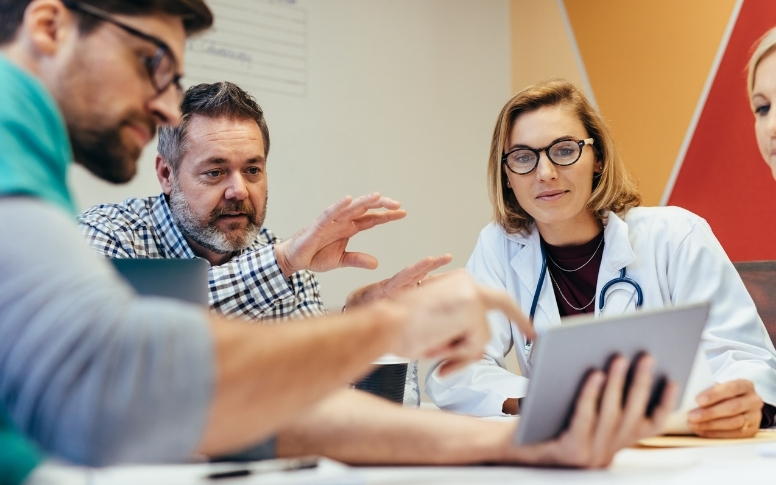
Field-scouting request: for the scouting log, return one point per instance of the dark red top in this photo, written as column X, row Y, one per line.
column 578, row 287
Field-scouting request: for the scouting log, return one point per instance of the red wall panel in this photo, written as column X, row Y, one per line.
column 723, row 178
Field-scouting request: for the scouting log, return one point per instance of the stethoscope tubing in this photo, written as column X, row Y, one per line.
column 602, row 297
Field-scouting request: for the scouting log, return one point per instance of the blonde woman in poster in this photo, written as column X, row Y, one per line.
column 761, row 86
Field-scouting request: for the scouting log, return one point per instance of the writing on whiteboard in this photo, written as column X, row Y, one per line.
column 213, row 49
column 259, row 45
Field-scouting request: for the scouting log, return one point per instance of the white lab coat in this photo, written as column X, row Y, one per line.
column 676, row 260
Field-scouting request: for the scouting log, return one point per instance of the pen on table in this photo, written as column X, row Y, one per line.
column 268, row 466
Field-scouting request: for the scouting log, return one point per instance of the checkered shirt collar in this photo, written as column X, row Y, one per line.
column 174, row 245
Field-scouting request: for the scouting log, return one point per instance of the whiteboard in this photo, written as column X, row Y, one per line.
column 395, row 96
column 260, row 46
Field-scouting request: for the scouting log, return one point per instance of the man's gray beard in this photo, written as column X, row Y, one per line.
column 207, row 235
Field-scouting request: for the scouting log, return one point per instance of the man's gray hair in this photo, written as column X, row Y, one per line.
column 217, row 100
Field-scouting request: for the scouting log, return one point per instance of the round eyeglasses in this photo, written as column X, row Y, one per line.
column 523, row 160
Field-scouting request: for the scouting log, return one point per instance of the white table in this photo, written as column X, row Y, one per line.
column 729, row 465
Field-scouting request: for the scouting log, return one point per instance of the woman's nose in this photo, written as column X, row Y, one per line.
column 545, row 169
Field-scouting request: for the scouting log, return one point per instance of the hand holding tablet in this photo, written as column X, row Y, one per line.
column 578, row 351
column 602, row 421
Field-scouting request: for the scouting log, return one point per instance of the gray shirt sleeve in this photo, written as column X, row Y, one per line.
column 90, row 371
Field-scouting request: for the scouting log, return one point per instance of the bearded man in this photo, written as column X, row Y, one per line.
column 213, row 172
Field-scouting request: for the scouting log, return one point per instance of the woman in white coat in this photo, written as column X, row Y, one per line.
column 558, row 183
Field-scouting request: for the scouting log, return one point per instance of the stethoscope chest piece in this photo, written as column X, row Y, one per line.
column 621, row 279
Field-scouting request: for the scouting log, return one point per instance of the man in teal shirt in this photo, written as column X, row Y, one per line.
column 97, row 375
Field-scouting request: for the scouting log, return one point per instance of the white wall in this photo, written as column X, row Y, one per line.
column 397, row 96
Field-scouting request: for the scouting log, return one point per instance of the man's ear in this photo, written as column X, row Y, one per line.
column 164, row 174
column 46, row 24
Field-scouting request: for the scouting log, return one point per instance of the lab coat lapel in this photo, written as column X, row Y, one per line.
column 527, row 264
column 618, row 254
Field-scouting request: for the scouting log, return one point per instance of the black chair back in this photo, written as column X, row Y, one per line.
column 760, row 279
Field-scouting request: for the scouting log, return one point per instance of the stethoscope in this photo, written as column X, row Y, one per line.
column 601, row 300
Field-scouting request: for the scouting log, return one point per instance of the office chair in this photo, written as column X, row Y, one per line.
column 760, row 279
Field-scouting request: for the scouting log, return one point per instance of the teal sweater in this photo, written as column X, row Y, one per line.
column 35, row 149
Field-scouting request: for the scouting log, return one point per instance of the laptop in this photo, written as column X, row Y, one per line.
column 182, row 279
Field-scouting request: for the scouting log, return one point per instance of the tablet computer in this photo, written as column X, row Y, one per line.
column 182, row 279
column 565, row 354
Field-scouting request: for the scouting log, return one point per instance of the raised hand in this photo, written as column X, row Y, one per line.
column 727, row 410
column 321, row 246
column 601, row 424
column 408, row 278
column 447, row 320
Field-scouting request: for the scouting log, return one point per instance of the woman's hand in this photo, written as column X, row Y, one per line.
column 601, row 425
column 728, row 410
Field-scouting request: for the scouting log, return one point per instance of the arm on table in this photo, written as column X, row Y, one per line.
column 356, row 428
column 268, row 374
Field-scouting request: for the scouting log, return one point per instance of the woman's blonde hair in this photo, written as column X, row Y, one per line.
column 615, row 190
column 764, row 46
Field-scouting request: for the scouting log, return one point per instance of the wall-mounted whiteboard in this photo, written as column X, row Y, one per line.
column 261, row 46
column 396, row 96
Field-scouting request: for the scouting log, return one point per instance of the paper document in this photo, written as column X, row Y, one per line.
column 700, row 380
column 676, row 441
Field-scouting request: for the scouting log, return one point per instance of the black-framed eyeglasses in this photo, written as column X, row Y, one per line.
column 523, row 160
column 161, row 67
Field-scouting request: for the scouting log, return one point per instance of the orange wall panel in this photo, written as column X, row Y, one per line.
column 647, row 63
column 541, row 46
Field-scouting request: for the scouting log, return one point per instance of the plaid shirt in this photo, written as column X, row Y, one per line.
column 250, row 285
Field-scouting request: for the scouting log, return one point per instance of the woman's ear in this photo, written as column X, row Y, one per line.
column 597, row 171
